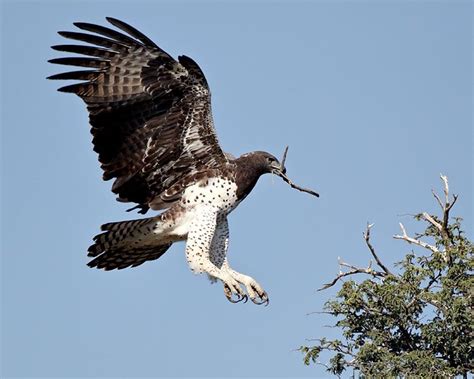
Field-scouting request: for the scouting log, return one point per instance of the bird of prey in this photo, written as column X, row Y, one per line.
column 153, row 131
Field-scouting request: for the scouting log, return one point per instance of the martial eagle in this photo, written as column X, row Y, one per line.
column 152, row 128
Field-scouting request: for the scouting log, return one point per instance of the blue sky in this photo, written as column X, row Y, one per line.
column 374, row 99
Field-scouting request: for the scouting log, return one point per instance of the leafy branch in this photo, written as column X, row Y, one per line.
column 415, row 322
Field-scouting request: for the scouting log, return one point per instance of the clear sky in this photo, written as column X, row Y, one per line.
column 374, row 99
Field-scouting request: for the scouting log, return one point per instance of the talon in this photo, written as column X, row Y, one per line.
column 267, row 301
column 263, row 298
column 263, row 302
column 234, row 301
column 229, row 294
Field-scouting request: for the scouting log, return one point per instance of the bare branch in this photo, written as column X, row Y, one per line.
column 302, row 189
column 414, row 241
column 284, row 157
column 372, row 250
column 320, row 313
column 354, row 270
column 446, row 207
column 438, row 199
column 282, row 174
column 432, row 221
column 446, row 187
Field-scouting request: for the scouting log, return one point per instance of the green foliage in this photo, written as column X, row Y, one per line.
column 417, row 321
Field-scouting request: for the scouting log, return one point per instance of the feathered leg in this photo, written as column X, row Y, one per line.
column 198, row 247
column 219, row 246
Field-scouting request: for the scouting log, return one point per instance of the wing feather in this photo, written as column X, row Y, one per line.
column 107, row 32
column 96, row 40
column 85, row 50
column 131, row 31
column 150, row 114
column 81, row 62
column 75, row 75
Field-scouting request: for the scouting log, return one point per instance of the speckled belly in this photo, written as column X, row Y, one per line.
column 216, row 195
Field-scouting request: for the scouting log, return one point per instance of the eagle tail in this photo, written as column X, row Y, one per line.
column 126, row 244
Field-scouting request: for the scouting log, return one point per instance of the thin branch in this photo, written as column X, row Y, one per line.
column 302, row 189
column 446, row 207
column 329, row 345
column 354, row 270
column 455, row 198
column 432, row 281
column 438, row 199
column 414, row 241
column 320, row 313
column 372, row 250
column 282, row 174
column 284, row 157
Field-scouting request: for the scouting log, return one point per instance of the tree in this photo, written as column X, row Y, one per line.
column 413, row 320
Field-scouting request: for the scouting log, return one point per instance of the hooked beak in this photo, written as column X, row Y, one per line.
column 279, row 170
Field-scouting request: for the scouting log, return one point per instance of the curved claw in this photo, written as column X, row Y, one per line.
column 262, row 298
column 229, row 293
column 264, row 301
column 238, row 300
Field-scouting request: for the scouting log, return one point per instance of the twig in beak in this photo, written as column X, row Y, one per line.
column 293, row 185
column 284, row 158
column 287, row 180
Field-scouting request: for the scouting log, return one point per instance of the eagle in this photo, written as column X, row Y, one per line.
column 153, row 131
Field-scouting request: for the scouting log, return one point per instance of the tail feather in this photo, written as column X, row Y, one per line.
column 120, row 258
column 125, row 244
column 117, row 232
column 126, row 224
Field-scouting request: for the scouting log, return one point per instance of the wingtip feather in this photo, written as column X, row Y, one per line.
column 73, row 88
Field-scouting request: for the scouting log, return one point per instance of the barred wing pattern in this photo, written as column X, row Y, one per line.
column 150, row 114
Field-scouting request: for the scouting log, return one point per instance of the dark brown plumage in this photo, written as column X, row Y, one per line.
column 152, row 128
column 150, row 114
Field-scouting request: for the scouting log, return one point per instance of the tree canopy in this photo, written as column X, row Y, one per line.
column 415, row 319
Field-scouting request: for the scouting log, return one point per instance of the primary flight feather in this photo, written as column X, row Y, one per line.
column 152, row 128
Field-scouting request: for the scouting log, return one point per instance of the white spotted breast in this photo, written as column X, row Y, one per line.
column 218, row 193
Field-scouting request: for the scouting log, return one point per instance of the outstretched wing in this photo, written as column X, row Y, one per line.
column 150, row 114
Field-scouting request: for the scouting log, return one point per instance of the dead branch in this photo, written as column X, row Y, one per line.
column 285, row 178
column 432, row 221
column 446, row 207
column 414, row 241
column 372, row 250
column 443, row 228
column 320, row 313
column 438, row 199
column 353, row 270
